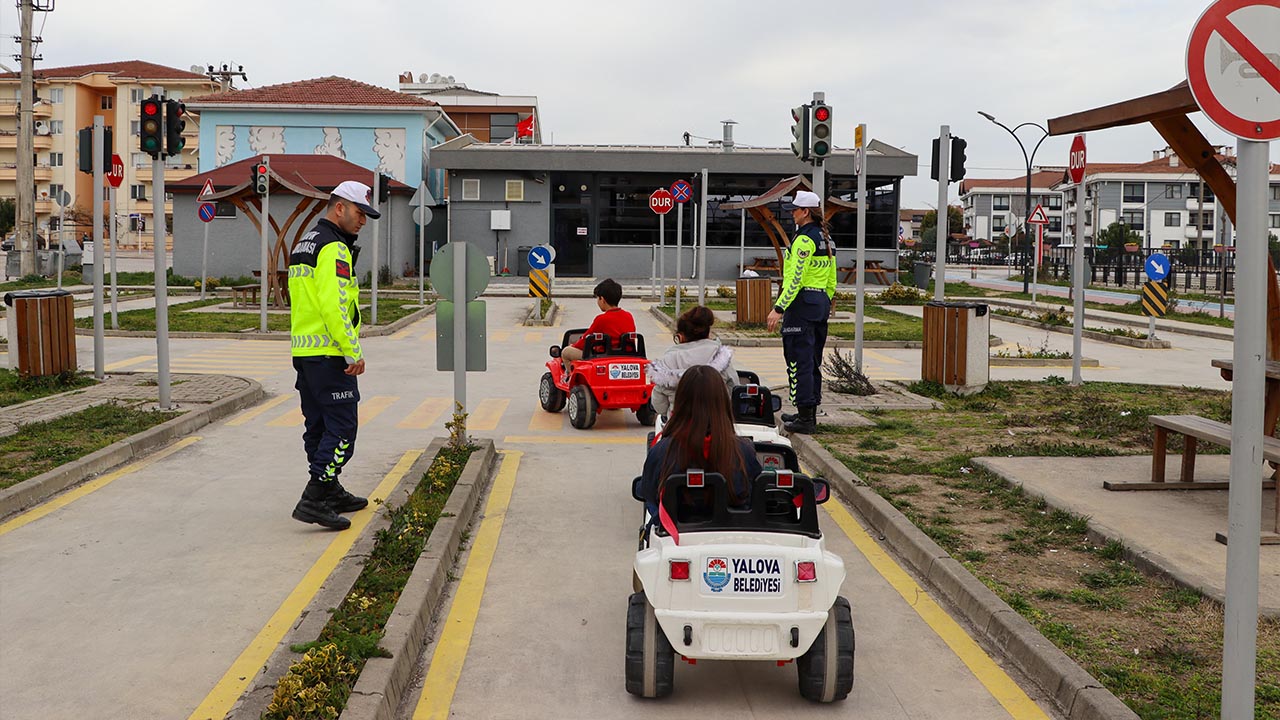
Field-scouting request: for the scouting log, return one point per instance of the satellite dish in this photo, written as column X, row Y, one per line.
column 197, row 69
column 451, row 80
column 435, row 77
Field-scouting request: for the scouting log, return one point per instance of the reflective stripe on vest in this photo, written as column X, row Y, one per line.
column 311, row 341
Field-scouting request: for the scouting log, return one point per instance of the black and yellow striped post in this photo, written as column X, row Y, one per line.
column 1155, row 299
column 539, row 283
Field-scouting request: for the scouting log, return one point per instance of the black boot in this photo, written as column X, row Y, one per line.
column 314, row 507
column 342, row 501
column 806, row 424
column 792, row 417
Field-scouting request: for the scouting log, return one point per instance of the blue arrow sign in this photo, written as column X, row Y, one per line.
column 539, row 258
column 1157, row 267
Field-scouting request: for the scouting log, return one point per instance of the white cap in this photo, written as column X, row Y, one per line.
column 804, row 199
column 360, row 195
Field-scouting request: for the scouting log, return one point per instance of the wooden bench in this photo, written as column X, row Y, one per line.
column 874, row 268
column 244, row 295
column 1193, row 428
column 763, row 265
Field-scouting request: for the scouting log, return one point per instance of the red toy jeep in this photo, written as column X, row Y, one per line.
column 610, row 376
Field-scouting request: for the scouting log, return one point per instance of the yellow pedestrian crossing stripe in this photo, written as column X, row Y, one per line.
column 113, row 367
column 487, row 414
column 374, row 406
column 425, row 415
column 246, row 416
column 500, row 335
column 533, row 336
column 544, row 421
column 293, row 418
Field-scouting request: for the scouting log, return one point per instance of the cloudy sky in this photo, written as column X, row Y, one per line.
column 621, row 71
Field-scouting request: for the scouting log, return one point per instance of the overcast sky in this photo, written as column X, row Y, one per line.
column 621, row 71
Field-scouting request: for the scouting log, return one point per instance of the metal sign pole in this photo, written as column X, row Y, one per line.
column 679, row 244
column 99, row 342
column 159, row 264
column 943, row 227
column 62, row 219
column 204, row 258
column 1077, row 283
column 1035, row 273
column 702, row 233
column 861, row 261
column 422, row 242
column 266, row 228
column 742, row 240
column 662, row 260
column 1240, row 621
column 460, row 295
column 373, row 283
column 115, row 318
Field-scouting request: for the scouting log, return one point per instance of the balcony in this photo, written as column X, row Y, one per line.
column 1191, row 233
column 1193, row 203
column 9, row 108
column 9, row 171
column 9, row 141
column 142, row 173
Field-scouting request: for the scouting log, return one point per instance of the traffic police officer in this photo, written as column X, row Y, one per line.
column 325, row 336
column 803, row 306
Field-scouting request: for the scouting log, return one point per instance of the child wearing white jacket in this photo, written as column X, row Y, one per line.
column 695, row 347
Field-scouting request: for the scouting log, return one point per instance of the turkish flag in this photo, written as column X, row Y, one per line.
column 524, row 128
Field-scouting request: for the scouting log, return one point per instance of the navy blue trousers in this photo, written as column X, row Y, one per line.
column 804, row 338
column 330, row 406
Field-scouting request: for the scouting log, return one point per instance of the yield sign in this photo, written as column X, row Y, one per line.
column 1038, row 217
column 207, row 190
column 1233, row 67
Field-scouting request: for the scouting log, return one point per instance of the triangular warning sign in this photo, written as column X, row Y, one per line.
column 207, row 190
column 1038, row 217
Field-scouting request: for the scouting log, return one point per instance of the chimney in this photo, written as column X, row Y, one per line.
column 1173, row 159
column 727, row 144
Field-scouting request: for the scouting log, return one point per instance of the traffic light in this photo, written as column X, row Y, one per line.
column 260, row 181
column 933, row 162
column 820, row 132
column 384, row 188
column 800, row 131
column 957, row 158
column 84, row 142
column 151, row 140
column 174, row 123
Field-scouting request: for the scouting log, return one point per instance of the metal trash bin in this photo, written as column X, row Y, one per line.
column 522, row 260
column 42, row 332
column 956, row 346
column 754, row 299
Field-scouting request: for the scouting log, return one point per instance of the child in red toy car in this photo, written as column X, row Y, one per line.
column 612, row 321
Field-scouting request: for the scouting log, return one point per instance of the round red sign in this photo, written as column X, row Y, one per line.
column 661, row 201
column 1232, row 67
column 115, row 175
column 1075, row 161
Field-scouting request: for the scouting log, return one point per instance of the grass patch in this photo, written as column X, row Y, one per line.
column 182, row 317
column 16, row 389
column 40, row 447
column 318, row 685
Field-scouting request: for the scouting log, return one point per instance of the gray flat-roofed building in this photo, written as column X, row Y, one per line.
column 591, row 203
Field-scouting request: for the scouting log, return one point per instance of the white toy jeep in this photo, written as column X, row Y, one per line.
column 720, row 583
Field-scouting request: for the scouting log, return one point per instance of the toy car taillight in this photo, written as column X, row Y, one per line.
column 806, row 571
column 680, row 569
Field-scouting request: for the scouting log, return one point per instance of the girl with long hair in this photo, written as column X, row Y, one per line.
column 695, row 347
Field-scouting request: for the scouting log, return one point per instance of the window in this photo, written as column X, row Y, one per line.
column 135, row 95
column 997, row 223
column 1273, row 221
column 1135, row 193
column 225, row 209
column 144, row 160
column 55, row 95
column 55, row 189
column 168, row 197
column 107, row 102
column 137, row 192
column 1193, row 191
column 1055, row 224
column 1133, row 218
column 999, row 202
column 1055, row 202
column 502, row 126
column 515, row 191
column 1071, row 197
column 1206, row 222
column 55, row 159
column 1275, row 192
column 135, row 128
column 1174, row 191
column 471, row 189
column 1172, row 219
column 55, row 127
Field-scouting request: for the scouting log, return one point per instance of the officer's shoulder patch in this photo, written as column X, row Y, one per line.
column 802, row 252
column 344, row 269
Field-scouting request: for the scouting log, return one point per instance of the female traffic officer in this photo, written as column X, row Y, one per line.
column 700, row 434
column 803, row 306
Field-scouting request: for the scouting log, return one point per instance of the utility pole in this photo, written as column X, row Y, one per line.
column 26, row 190
column 225, row 76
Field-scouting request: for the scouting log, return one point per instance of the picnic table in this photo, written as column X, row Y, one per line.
column 277, row 287
column 764, row 265
column 874, row 268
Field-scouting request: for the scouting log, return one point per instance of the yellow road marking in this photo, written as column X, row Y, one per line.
column 992, row 677
column 487, row 414
column 131, row 361
column 429, row 336
column 425, row 415
column 224, row 694
column 71, row 496
column 374, row 406
column 881, row 357
column 245, row 417
column 543, row 421
column 403, row 334
column 292, row 418
column 574, row 440
column 500, row 335
column 455, row 636
column 533, row 336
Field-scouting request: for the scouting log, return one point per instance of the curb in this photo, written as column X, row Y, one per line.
column 1156, row 344
column 531, row 319
column 39, row 488
column 997, row 361
column 1076, row 693
column 735, row 340
column 1208, row 331
column 378, row 331
column 383, row 679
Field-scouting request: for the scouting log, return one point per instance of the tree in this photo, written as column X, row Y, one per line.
column 1114, row 237
column 8, row 215
column 955, row 220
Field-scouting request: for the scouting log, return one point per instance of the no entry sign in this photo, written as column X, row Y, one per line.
column 1233, row 67
column 1075, row 160
column 661, row 201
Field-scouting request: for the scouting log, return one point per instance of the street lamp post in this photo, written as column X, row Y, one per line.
column 1029, row 159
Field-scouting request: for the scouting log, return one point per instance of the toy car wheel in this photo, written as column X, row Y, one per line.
column 551, row 397
column 582, row 407
column 826, row 668
column 651, row 663
column 647, row 415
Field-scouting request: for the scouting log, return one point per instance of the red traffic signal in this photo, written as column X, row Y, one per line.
column 150, row 137
column 260, row 180
column 150, row 107
column 822, row 113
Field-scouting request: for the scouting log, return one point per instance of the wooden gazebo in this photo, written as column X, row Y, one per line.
column 760, row 209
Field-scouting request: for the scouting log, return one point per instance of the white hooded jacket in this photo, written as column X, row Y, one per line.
column 666, row 371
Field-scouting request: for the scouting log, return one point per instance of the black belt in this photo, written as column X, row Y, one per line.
column 821, row 290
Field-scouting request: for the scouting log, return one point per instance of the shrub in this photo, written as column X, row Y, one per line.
column 843, row 376
column 725, row 292
column 315, row 688
column 899, row 294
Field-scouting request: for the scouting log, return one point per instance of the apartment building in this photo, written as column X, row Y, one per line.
column 1163, row 200
column 910, row 224
column 995, row 208
column 67, row 99
column 486, row 116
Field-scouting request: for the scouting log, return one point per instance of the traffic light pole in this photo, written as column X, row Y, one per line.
column 162, row 281
column 373, row 283
column 266, row 230
column 99, row 344
column 943, row 227
column 702, row 242
column 860, row 261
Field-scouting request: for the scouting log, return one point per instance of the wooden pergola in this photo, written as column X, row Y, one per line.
column 760, row 210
